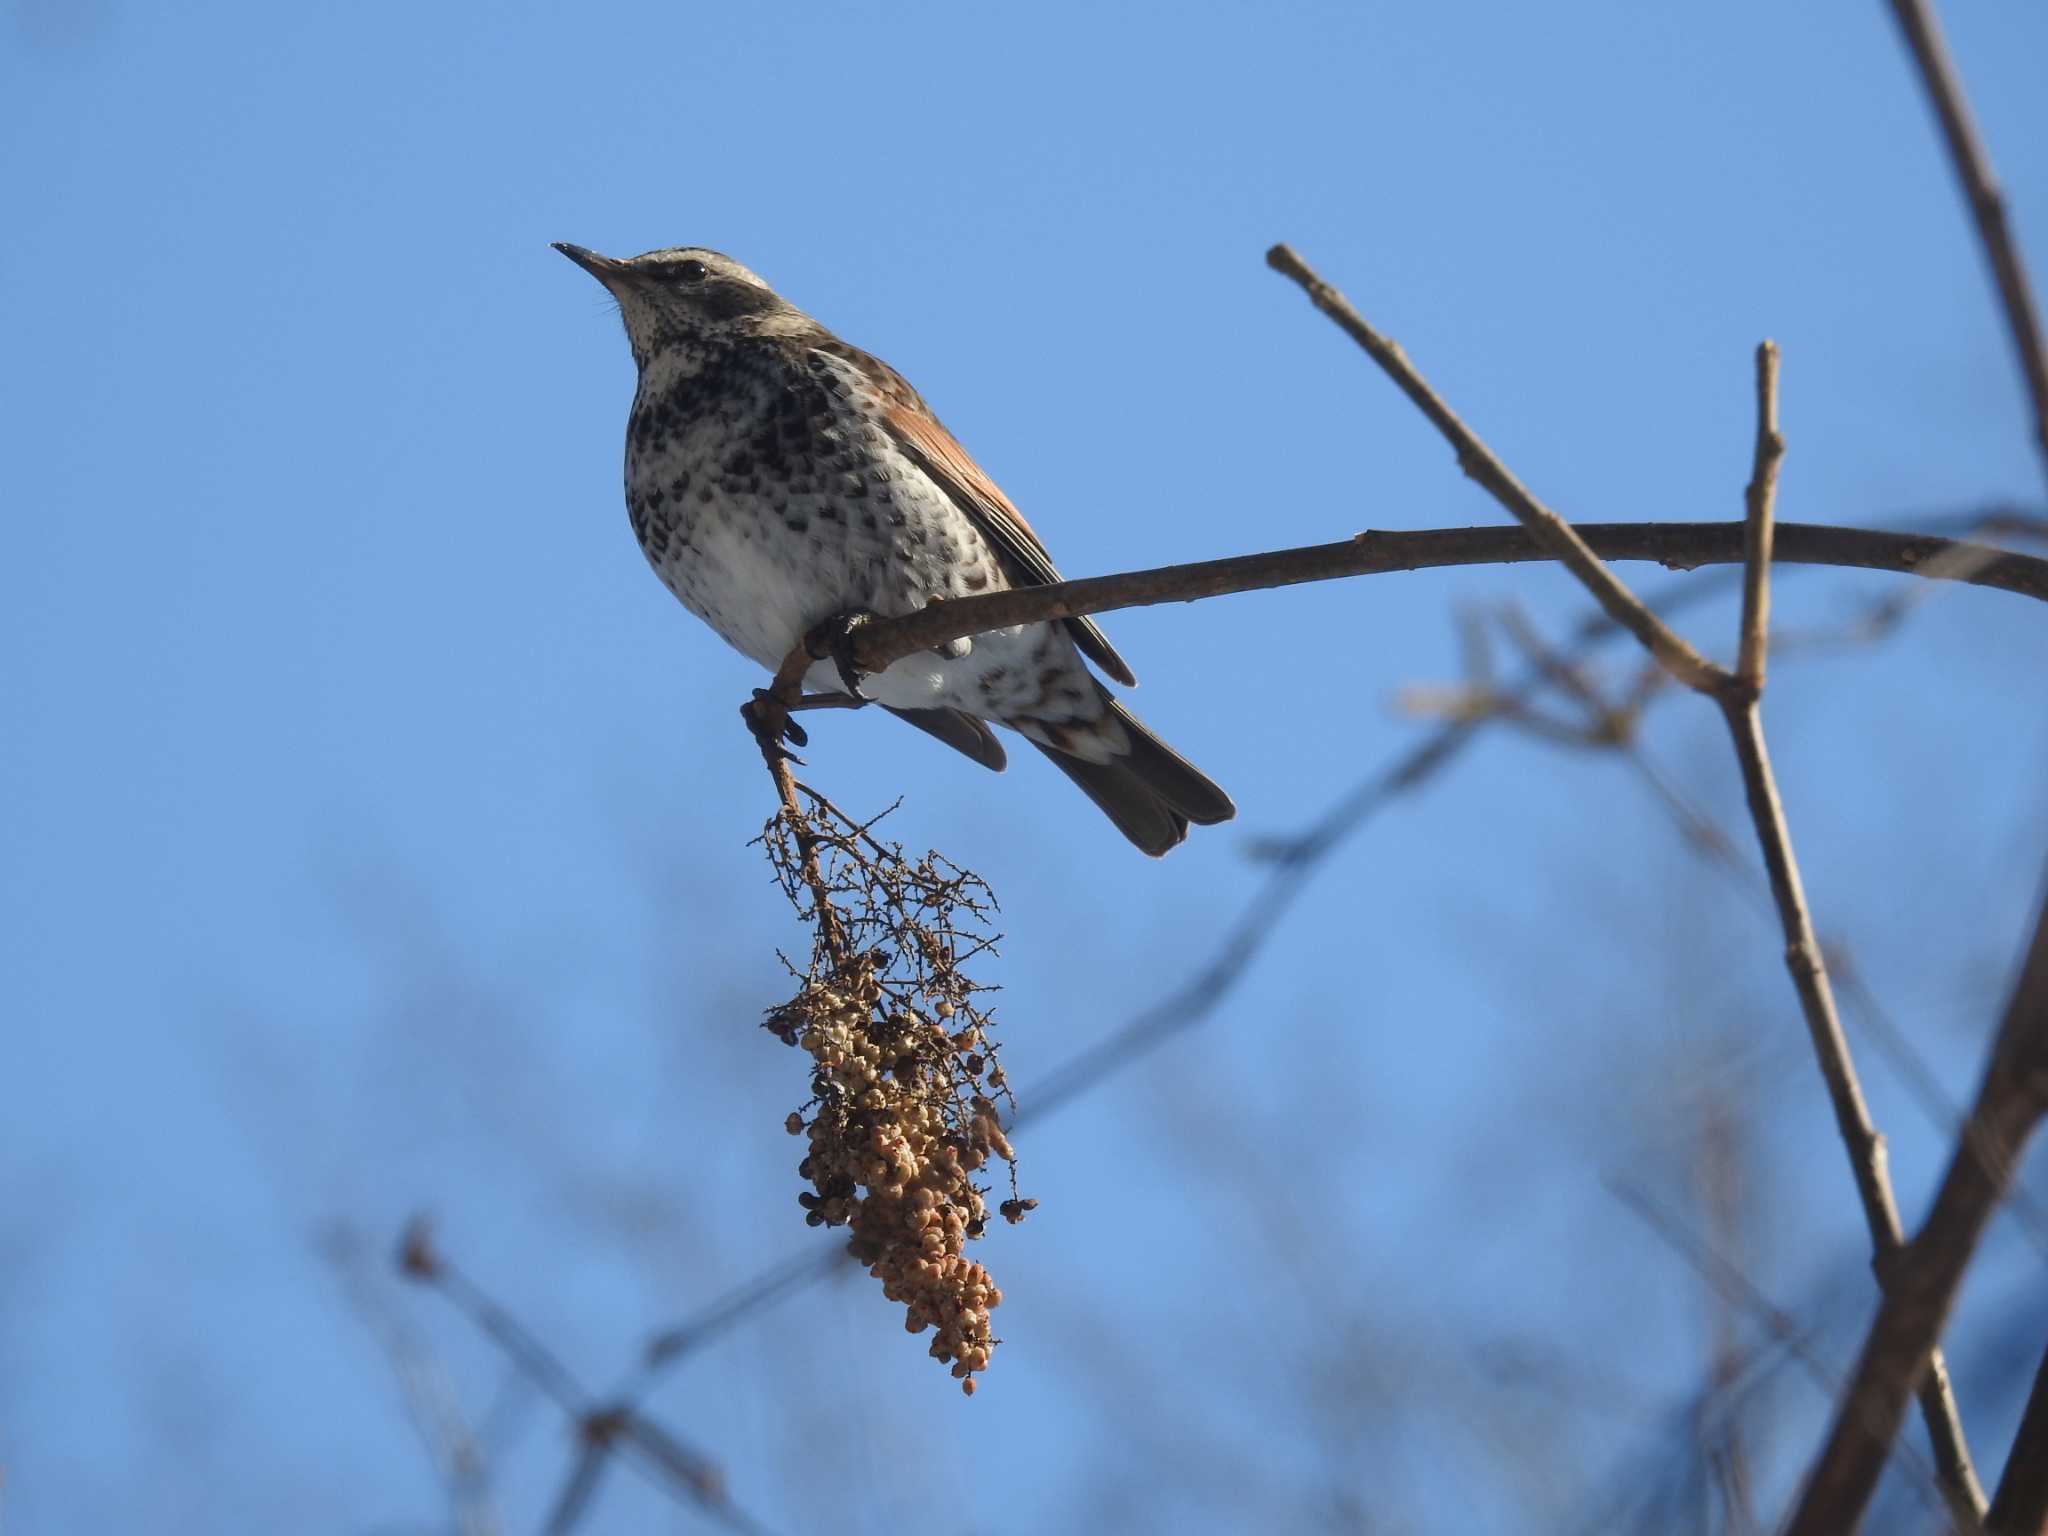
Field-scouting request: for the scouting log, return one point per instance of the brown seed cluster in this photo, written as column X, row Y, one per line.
column 904, row 1077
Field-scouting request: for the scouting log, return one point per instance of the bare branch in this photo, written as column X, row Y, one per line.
column 1679, row 546
column 1477, row 460
column 1741, row 707
column 1831, row 1048
column 1972, row 164
column 1759, row 525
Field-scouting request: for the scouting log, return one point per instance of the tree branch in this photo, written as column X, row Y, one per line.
column 1679, row 546
column 1759, row 526
column 1477, row 460
column 1972, row 164
column 2021, row 1506
column 1741, row 707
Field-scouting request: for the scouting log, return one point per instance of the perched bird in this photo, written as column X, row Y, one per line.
column 778, row 477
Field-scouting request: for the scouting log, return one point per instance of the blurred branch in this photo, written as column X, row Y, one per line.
column 602, row 1430
column 2021, row 1505
column 1720, row 1170
column 429, row 1397
column 1726, row 1280
column 1919, row 1284
column 1972, row 165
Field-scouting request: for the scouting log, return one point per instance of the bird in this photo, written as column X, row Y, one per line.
column 777, row 477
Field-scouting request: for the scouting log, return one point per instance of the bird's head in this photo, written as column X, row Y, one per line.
column 685, row 298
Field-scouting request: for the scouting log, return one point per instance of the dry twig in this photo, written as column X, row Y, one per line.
column 1979, row 185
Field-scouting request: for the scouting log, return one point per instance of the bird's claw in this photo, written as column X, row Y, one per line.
column 836, row 639
column 768, row 718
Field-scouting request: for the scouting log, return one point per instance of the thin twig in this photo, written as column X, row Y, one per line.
column 1920, row 1283
column 1972, row 164
column 1741, row 707
column 1760, row 524
column 1738, row 1290
column 1478, row 461
column 1721, row 1170
column 1859, row 1134
column 1728, row 1281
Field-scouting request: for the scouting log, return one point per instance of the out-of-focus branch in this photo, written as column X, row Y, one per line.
column 1920, row 1282
column 2020, row 1508
column 1972, row 164
column 602, row 1430
column 429, row 1397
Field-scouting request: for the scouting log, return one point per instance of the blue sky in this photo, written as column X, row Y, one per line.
column 376, row 824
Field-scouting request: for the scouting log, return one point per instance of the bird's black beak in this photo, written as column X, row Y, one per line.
column 603, row 268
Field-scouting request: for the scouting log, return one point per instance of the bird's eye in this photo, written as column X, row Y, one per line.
column 691, row 271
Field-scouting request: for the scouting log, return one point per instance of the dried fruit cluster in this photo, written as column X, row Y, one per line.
column 904, row 1077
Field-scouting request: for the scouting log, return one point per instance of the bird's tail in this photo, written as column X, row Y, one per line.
column 1149, row 790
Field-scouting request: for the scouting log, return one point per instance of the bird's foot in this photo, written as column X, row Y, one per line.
column 836, row 640
column 829, row 701
column 768, row 718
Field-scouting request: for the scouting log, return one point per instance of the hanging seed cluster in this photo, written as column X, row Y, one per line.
column 903, row 1116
